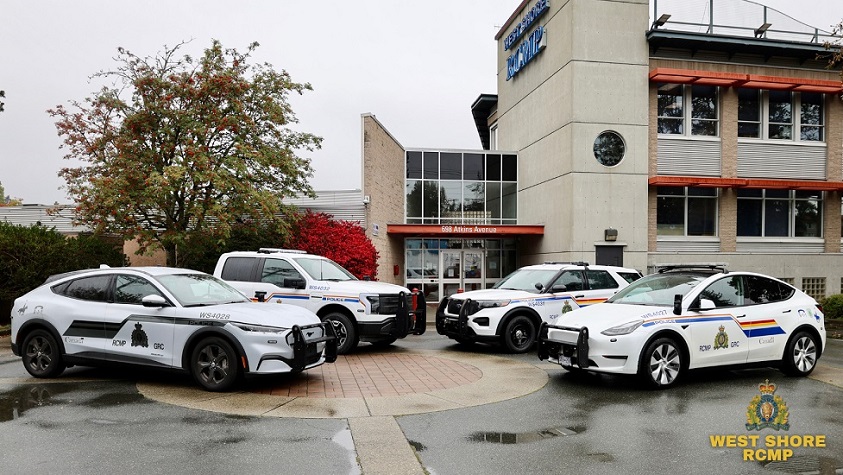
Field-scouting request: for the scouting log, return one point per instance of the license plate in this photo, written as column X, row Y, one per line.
column 565, row 361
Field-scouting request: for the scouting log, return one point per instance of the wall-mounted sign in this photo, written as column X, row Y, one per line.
column 526, row 51
column 521, row 27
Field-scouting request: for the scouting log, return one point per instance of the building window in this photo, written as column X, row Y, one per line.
column 686, row 211
column 814, row 286
column 783, row 111
column 493, row 137
column 787, row 280
column 779, row 213
column 609, row 148
column 702, row 115
column 460, row 188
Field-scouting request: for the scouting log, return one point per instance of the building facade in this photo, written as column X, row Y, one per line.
column 644, row 134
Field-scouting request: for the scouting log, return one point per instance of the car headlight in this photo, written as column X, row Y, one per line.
column 481, row 304
column 474, row 306
column 624, row 329
column 374, row 303
column 259, row 328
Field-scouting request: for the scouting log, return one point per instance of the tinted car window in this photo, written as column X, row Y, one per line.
column 88, row 288
column 726, row 292
column 764, row 290
column 600, row 279
column 630, row 276
column 276, row 270
column 239, row 268
column 571, row 279
column 132, row 289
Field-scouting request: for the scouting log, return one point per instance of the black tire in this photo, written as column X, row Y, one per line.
column 41, row 355
column 214, row 364
column 662, row 363
column 344, row 330
column 383, row 343
column 519, row 334
column 800, row 354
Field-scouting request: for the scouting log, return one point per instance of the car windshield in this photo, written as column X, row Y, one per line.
column 193, row 290
column 527, row 279
column 658, row 289
column 324, row 269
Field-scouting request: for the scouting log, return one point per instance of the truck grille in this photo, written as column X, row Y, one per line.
column 454, row 306
column 389, row 304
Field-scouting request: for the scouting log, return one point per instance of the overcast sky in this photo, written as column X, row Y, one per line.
column 416, row 65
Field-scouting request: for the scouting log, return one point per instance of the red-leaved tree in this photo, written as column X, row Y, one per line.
column 344, row 242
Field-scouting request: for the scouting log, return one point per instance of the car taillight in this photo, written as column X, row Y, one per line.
column 820, row 308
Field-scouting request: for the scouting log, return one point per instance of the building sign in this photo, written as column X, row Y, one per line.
column 526, row 51
column 469, row 229
column 538, row 10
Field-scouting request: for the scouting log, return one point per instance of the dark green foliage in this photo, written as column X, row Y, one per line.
column 202, row 250
column 833, row 307
column 28, row 255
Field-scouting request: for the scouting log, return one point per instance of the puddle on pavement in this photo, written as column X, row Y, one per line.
column 523, row 437
column 16, row 402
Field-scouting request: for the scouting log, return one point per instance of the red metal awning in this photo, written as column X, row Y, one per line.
column 716, row 182
column 755, row 81
column 464, row 230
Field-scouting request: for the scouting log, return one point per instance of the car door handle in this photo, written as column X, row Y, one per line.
column 786, row 311
column 579, row 296
column 741, row 316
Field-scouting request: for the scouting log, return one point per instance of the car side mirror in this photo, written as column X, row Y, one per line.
column 153, row 300
column 706, row 304
column 559, row 288
column 677, row 304
column 294, row 283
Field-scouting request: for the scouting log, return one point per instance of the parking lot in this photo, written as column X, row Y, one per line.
column 425, row 404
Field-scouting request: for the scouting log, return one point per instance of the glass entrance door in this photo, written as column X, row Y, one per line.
column 461, row 269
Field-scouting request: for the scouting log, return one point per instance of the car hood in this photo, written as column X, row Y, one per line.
column 607, row 315
column 495, row 294
column 357, row 287
column 276, row 315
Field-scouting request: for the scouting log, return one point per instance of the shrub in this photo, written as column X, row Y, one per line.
column 28, row 255
column 833, row 306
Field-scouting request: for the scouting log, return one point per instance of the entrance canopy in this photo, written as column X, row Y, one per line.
column 487, row 231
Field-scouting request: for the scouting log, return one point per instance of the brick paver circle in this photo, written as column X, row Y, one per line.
column 376, row 375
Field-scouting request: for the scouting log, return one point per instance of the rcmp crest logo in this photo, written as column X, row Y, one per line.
column 767, row 410
column 721, row 340
column 139, row 336
column 566, row 307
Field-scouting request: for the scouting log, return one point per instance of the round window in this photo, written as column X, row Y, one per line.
column 609, row 148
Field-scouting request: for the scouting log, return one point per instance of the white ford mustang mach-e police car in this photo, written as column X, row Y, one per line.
column 690, row 317
column 165, row 318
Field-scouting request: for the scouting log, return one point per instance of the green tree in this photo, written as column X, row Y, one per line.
column 183, row 146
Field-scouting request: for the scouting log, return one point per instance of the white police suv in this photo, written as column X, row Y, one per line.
column 376, row 312
column 510, row 313
column 163, row 318
column 687, row 317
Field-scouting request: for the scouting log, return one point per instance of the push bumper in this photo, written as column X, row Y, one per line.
column 305, row 350
column 566, row 346
column 457, row 327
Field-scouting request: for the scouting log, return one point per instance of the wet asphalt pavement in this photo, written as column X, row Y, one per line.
column 96, row 421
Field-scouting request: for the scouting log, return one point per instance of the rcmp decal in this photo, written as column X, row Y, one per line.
column 721, row 340
column 139, row 337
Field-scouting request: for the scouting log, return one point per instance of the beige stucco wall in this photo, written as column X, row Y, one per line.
column 591, row 77
column 383, row 183
column 156, row 257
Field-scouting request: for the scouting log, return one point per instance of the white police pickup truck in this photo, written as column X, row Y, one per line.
column 375, row 312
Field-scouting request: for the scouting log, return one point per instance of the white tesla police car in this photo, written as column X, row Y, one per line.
column 164, row 318
column 687, row 317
